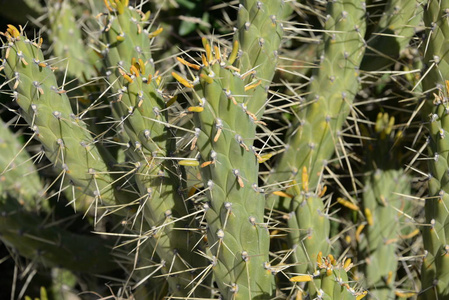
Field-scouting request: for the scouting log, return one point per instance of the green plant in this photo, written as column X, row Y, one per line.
column 205, row 173
column 435, row 272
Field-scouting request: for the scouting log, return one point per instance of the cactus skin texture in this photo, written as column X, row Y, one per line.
column 315, row 134
column 383, row 198
column 47, row 110
column 19, row 178
column 259, row 34
column 67, row 40
column 238, row 237
column 229, row 99
column 138, row 103
column 382, row 230
column 435, row 268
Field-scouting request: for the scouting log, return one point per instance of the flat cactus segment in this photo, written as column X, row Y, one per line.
column 314, row 236
column 138, row 99
column 382, row 195
column 128, row 35
column 259, row 34
column 384, row 206
column 331, row 91
column 46, row 108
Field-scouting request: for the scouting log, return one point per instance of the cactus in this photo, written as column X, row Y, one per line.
column 68, row 42
column 228, row 90
column 19, row 177
column 212, row 177
column 383, row 206
column 393, row 33
column 140, row 105
column 51, row 245
column 314, row 135
column 435, row 274
column 47, row 109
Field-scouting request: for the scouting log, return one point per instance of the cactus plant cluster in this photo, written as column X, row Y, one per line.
column 284, row 150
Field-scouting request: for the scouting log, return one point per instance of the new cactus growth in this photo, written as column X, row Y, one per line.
column 330, row 280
